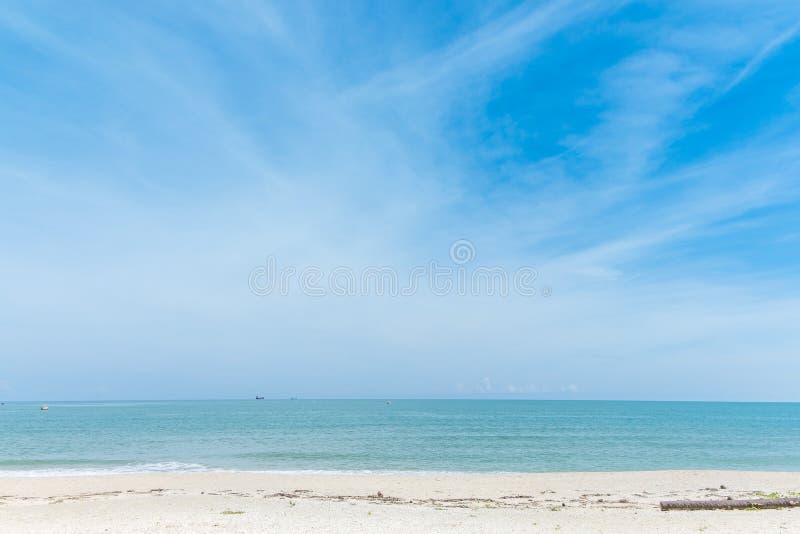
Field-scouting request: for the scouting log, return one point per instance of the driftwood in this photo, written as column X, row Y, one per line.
column 738, row 504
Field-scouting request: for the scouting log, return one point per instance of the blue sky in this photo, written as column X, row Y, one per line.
column 644, row 157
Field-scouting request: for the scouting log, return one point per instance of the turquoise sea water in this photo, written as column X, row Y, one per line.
column 408, row 435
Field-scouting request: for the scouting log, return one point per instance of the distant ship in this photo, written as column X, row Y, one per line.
column 44, row 408
column 259, row 397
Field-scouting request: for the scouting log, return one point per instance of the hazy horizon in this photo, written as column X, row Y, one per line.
column 392, row 398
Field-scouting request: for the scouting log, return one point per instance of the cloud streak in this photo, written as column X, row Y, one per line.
column 768, row 50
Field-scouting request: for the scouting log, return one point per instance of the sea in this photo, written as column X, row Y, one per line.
column 397, row 436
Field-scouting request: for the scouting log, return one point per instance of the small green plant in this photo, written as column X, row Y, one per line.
column 232, row 512
column 773, row 495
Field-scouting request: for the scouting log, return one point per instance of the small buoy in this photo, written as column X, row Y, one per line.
column 44, row 407
column 388, row 402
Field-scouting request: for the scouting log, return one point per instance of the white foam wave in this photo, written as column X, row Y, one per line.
column 179, row 467
column 159, row 467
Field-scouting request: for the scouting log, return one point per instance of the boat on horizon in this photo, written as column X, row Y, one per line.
column 259, row 397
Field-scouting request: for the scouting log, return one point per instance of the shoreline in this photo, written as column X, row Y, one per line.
column 442, row 502
column 200, row 469
column 413, row 474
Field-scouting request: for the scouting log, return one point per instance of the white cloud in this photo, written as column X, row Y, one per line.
column 769, row 49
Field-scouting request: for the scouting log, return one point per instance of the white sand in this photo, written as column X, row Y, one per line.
column 252, row 502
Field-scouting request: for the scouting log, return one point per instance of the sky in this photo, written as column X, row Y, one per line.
column 159, row 160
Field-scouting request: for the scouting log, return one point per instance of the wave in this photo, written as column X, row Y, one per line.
column 180, row 467
column 158, row 467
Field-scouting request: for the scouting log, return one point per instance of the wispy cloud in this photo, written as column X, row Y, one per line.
column 509, row 37
column 769, row 49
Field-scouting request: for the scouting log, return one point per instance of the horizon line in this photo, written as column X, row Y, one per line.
column 231, row 399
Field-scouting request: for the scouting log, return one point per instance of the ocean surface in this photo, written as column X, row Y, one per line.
column 406, row 435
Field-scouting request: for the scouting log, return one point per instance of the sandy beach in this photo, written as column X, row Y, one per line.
column 256, row 502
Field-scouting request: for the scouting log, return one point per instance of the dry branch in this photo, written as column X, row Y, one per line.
column 739, row 504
